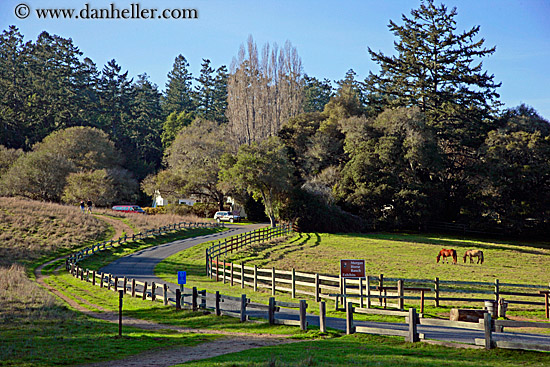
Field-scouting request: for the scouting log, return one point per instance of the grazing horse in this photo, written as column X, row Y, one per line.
column 472, row 254
column 447, row 253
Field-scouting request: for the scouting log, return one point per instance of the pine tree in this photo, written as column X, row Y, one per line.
column 436, row 69
column 179, row 95
column 14, row 54
column 220, row 95
column 205, row 91
column 440, row 71
column 115, row 94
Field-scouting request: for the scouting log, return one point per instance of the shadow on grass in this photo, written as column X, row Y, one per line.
column 464, row 243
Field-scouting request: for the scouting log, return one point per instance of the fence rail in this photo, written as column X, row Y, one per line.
column 91, row 250
column 299, row 283
column 374, row 290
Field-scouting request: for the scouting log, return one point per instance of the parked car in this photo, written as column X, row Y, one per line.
column 129, row 209
column 226, row 217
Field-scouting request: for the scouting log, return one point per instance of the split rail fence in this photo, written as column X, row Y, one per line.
column 374, row 291
column 196, row 299
column 349, row 292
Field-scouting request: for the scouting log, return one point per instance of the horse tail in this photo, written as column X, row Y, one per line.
column 454, row 256
column 465, row 255
column 481, row 255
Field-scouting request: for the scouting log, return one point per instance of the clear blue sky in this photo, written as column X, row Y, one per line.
column 331, row 36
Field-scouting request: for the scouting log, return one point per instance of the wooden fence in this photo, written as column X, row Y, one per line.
column 486, row 324
column 300, row 283
column 90, row 250
column 376, row 290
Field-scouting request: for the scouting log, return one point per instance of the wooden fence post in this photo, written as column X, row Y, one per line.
column 133, row 287
column 350, row 329
column 194, row 299
column 144, row 290
column 217, row 268
column 488, row 327
column 231, row 274
column 153, row 289
column 93, row 277
column 207, row 262
column 413, row 320
column 217, row 307
column 380, row 286
column 400, row 294
column 317, row 298
column 303, row 319
column 109, row 282
column 255, row 278
column 116, row 284
column 178, row 299
column 497, row 290
column 293, row 281
column 165, row 293
column 361, row 301
column 271, row 311
column 436, row 292
column 322, row 317
column 223, row 271
column 368, row 292
column 125, row 284
column 273, row 281
column 242, row 275
column 243, row 307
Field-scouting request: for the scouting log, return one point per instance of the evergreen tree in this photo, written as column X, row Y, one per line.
column 14, row 55
column 179, row 95
column 438, row 70
column 142, row 133
column 220, row 95
column 205, row 91
column 317, row 94
column 115, row 94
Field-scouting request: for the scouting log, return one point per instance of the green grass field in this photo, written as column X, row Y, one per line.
column 369, row 350
column 37, row 329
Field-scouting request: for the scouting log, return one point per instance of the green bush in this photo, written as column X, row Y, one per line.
column 153, row 211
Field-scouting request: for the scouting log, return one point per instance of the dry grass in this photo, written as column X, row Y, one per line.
column 142, row 222
column 23, row 299
column 30, row 229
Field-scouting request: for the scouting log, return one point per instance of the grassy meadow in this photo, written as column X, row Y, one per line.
column 405, row 256
column 37, row 328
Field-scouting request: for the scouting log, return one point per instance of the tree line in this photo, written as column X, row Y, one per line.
column 425, row 138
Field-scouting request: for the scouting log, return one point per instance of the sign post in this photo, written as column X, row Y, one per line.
column 182, row 279
column 352, row 269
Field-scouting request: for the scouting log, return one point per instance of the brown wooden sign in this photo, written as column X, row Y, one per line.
column 352, row 268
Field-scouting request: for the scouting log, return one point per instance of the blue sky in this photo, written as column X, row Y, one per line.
column 331, row 36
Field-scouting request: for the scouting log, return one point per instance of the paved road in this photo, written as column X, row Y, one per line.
column 141, row 265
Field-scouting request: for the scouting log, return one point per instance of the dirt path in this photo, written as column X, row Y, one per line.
column 231, row 342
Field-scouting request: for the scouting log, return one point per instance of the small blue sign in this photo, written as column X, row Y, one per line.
column 182, row 277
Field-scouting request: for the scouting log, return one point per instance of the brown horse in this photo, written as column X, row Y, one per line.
column 447, row 253
column 472, row 254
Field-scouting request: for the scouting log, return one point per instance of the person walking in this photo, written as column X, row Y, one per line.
column 82, row 206
column 89, row 206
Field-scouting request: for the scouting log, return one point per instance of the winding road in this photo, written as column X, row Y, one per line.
column 141, row 265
